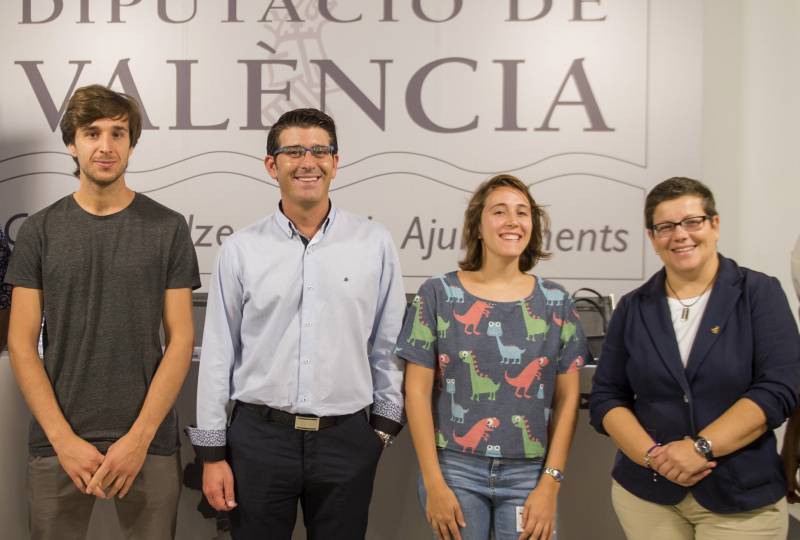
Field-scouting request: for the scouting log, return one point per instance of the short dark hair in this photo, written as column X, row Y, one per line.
column 534, row 251
column 93, row 102
column 304, row 118
column 673, row 188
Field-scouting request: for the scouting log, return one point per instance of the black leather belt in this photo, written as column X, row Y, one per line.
column 301, row 422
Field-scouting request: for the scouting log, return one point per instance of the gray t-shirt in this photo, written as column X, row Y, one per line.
column 103, row 280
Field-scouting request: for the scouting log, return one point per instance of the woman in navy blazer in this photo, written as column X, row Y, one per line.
column 700, row 364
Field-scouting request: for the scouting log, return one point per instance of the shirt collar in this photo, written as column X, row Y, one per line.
column 286, row 225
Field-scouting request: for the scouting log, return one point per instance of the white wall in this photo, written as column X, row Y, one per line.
column 751, row 113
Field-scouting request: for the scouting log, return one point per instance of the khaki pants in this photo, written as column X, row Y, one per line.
column 643, row 520
column 59, row 511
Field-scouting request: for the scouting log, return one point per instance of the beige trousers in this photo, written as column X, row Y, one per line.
column 644, row 520
column 58, row 511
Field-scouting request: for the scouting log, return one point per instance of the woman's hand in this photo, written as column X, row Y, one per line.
column 539, row 511
column 443, row 512
column 680, row 463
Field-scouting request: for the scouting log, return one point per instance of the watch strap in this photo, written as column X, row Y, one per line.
column 555, row 473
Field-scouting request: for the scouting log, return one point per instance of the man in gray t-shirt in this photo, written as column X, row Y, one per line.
column 103, row 267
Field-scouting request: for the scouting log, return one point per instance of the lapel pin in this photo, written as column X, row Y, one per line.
column 715, row 330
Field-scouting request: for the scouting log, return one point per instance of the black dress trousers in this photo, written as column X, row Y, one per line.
column 331, row 473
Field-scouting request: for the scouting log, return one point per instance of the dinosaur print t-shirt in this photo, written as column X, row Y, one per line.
column 496, row 363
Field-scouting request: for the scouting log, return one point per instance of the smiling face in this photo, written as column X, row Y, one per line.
column 506, row 224
column 102, row 149
column 686, row 254
column 305, row 181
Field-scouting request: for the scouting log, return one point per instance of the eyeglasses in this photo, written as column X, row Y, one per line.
column 296, row 152
column 689, row 224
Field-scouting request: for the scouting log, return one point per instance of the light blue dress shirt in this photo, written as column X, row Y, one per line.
column 306, row 329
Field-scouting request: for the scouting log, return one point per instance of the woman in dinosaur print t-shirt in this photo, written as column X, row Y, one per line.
column 492, row 358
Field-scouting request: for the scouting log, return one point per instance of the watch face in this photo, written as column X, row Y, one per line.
column 555, row 473
column 702, row 446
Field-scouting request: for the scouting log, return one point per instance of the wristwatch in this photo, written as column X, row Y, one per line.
column 385, row 437
column 555, row 473
column 703, row 447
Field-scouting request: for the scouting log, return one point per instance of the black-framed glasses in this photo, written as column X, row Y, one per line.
column 689, row 224
column 297, row 151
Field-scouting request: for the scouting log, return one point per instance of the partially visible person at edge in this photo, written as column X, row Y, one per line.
column 492, row 358
column 105, row 266
column 303, row 312
column 699, row 365
column 5, row 290
column 791, row 438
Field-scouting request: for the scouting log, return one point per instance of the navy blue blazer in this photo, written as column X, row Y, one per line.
column 747, row 346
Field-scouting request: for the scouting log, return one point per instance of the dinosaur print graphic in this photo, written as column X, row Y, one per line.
column 419, row 330
column 553, row 297
column 457, row 412
column 523, row 381
column 441, row 442
column 493, row 450
column 444, row 360
column 534, row 326
column 472, row 317
column 508, row 353
column 442, row 326
column 454, row 294
column 568, row 329
column 478, row 432
column 532, row 446
column 481, row 383
column 575, row 365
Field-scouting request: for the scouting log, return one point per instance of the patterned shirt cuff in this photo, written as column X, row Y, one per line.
column 5, row 296
column 387, row 417
column 209, row 444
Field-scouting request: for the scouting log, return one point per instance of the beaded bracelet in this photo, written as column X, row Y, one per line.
column 647, row 455
column 647, row 461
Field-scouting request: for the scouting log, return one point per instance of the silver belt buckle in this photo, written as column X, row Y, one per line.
column 306, row 423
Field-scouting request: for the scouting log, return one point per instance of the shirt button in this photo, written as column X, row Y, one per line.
column 306, row 324
column 304, row 399
column 685, row 398
column 306, row 361
column 309, row 287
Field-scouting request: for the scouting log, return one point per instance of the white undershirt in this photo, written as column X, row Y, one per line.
column 686, row 331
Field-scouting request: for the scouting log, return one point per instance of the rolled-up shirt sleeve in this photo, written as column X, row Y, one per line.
column 776, row 354
column 386, row 368
column 221, row 348
column 610, row 385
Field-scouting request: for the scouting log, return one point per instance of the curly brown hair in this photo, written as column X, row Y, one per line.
column 471, row 241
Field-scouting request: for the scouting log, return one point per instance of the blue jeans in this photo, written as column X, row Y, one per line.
column 488, row 490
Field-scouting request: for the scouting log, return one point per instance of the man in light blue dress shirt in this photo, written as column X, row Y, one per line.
column 303, row 311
